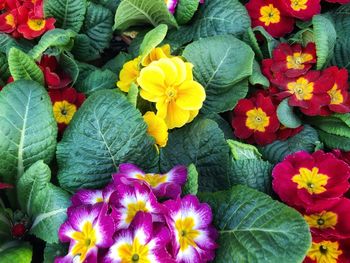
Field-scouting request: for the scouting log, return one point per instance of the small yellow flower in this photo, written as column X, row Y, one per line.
column 157, row 128
column 64, row 111
column 169, row 83
column 156, row 54
column 129, row 74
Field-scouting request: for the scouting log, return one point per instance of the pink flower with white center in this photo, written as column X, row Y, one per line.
column 88, row 228
column 140, row 243
column 171, row 4
column 129, row 200
column 162, row 185
column 193, row 235
column 92, row 197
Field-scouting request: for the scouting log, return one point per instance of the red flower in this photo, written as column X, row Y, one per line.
column 35, row 26
column 290, row 60
column 284, row 133
column 344, row 156
column 330, row 222
column 65, row 104
column 255, row 119
column 55, row 77
column 302, row 9
column 309, row 92
column 18, row 230
column 338, row 92
column 8, row 21
column 269, row 15
column 5, row 186
column 310, row 181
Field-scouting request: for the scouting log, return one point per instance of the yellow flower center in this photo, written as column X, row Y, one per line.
column 269, row 15
column 64, row 111
column 133, row 208
column 36, row 24
column 10, row 20
column 336, row 96
column 325, row 252
column 298, row 5
column 186, row 232
column 153, row 179
column 297, row 60
column 99, row 200
column 85, row 240
column 322, row 220
column 302, row 89
column 171, row 94
column 311, row 180
column 134, row 253
column 257, row 120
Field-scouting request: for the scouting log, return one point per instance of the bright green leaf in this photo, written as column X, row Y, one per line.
column 185, row 10
column 191, row 186
column 133, row 94
column 242, row 151
column 20, row 254
column 152, row 39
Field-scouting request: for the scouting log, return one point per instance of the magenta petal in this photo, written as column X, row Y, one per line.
column 65, row 232
column 87, row 197
column 79, row 215
column 178, row 174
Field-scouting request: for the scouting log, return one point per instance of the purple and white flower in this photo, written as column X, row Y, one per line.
column 171, row 4
column 193, row 235
column 162, row 185
column 92, row 197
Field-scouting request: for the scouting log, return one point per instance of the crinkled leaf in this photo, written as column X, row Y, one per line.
column 22, row 253
column 242, row 151
column 27, row 127
column 185, row 10
column 106, row 131
column 254, row 228
column 191, row 186
column 287, row 116
column 82, row 50
column 7, row 42
column 334, row 141
column 23, row 66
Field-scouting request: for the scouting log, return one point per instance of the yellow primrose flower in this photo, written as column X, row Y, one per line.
column 129, row 74
column 156, row 128
column 156, row 54
column 169, row 83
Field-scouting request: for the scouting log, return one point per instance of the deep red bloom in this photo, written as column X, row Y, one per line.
column 269, row 15
column 8, row 21
column 309, row 92
column 302, row 9
column 18, row 230
column 255, row 120
column 310, row 181
column 35, row 26
column 65, row 104
column 55, row 77
column 344, row 156
column 284, row 133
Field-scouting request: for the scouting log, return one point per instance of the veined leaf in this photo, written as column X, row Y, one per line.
column 185, row 10
column 27, row 128
column 22, row 253
column 242, row 151
column 254, row 228
column 68, row 63
column 24, row 67
column 191, row 186
column 4, row 68
column 106, row 131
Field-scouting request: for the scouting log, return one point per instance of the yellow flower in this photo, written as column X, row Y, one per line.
column 156, row 54
column 64, row 111
column 169, row 83
column 129, row 74
column 156, row 128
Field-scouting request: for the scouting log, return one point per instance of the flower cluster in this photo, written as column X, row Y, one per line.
column 24, row 18
column 314, row 92
column 168, row 82
column 139, row 217
column 314, row 184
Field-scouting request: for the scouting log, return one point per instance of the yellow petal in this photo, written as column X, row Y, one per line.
column 152, row 80
column 156, row 54
column 169, row 69
column 162, row 108
column 190, row 95
column 189, row 71
column 128, row 74
column 181, row 70
column 176, row 117
column 193, row 114
column 157, row 128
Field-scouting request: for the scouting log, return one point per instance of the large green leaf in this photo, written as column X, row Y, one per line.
column 201, row 143
column 220, row 63
column 45, row 203
column 254, row 228
column 306, row 140
column 27, row 128
column 140, row 12
column 23, row 66
column 106, row 131
column 69, row 14
column 214, row 17
column 20, row 254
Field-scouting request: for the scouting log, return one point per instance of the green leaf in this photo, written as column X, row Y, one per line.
column 185, row 10
column 214, row 17
column 106, row 131
column 257, row 78
column 220, row 63
column 270, row 42
column 325, row 39
column 140, row 12
column 133, row 94
column 250, row 38
column 21, row 254
column 334, row 141
column 254, row 228
column 152, row 39
column 24, row 67
column 287, row 116
column 97, row 80
column 7, row 42
column 5, row 224
column 4, row 68
column 27, row 127
column 54, row 250
column 69, row 14
column 201, row 143
column 223, row 125
column 45, row 203
column 306, row 140
column 69, row 65
column 57, row 38
column 191, row 186
column 242, row 151
column 116, row 64
column 82, row 50
column 254, row 173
